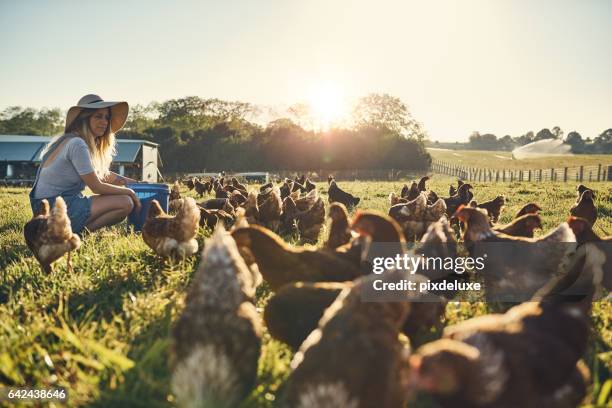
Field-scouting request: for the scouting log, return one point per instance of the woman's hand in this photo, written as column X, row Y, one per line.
column 132, row 194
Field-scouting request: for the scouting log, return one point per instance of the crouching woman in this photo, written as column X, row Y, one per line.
column 82, row 157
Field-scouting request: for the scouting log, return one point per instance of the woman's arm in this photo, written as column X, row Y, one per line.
column 100, row 187
column 118, row 180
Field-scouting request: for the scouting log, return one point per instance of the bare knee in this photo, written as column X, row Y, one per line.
column 126, row 204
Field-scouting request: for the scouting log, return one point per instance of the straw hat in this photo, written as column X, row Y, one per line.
column 119, row 110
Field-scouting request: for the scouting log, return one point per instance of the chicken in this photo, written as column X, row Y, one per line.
column 452, row 190
column 288, row 223
column 174, row 205
column 584, row 235
column 413, row 192
column 49, row 234
column 217, row 338
column 421, row 185
column 581, row 189
column 306, row 202
column 175, row 192
column 237, row 198
column 190, row 183
column 286, row 188
column 529, row 208
column 395, row 200
column 170, row 236
column 354, row 358
column 311, row 221
column 337, row 195
column 309, row 185
column 218, row 204
column 494, row 207
column 416, row 216
column 339, row 232
column 522, row 226
column 585, row 207
column 251, row 208
column 463, row 197
column 238, row 185
column 280, row 263
column 200, row 187
column 269, row 211
column 210, row 218
column 515, row 267
column 528, row 357
column 295, row 310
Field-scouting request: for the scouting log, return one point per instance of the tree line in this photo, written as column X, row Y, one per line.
column 198, row 134
column 600, row 144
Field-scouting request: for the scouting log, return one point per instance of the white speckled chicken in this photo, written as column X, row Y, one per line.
column 49, row 235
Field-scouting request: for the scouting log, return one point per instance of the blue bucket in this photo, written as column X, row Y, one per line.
column 145, row 193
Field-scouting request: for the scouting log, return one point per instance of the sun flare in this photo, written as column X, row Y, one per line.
column 328, row 105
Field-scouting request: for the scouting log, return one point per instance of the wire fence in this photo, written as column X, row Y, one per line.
column 599, row 172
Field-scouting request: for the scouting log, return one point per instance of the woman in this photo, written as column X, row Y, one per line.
column 82, row 157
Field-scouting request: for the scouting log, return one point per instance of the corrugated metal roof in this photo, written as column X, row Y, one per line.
column 27, row 148
column 126, row 152
column 20, row 151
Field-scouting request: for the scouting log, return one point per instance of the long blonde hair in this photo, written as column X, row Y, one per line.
column 101, row 149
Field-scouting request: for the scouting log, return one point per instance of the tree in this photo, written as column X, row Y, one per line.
column 544, row 134
column 388, row 112
column 603, row 142
column 574, row 139
column 16, row 120
column 557, row 132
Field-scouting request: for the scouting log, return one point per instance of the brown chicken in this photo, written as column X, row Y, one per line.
column 217, row 338
column 522, row 226
column 170, row 236
column 337, row 195
column 295, row 310
column 200, row 187
column 309, row 185
column 286, row 188
column 270, row 210
column 584, row 235
column 339, row 231
column 515, row 267
column 585, row 207
column 280, row 263
column 354, row 358
column 413, row 192
column 189, row 183
column 210, row 218
column 494, row 207
column 421, row 185
column 310, row 222
column 238, row 185
column 527, row 357
column 175, row 192
column 529, row 208
column 463, row 197
column 49, row 234
column 218, row 204
column 306, row 202
column 237, row 198
column 416, row 216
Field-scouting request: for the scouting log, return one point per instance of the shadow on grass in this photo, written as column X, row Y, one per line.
column 147, row 384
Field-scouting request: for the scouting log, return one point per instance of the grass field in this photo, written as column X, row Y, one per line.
column 503, row 160
column 102, row 331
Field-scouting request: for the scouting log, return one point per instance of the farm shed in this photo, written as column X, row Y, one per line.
column 20, row 157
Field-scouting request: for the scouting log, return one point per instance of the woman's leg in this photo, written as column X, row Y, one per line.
column 108, row 210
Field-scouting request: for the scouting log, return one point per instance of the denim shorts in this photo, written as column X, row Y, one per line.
column 79, row 209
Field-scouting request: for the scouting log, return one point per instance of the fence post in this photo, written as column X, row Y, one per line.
column 581, row 173
column 590, row 171
column 540, row 175
column 529, row 176
column 609, row 178
column 511, row 176
column 565, row 174
column 552, row 174
column 598, row 172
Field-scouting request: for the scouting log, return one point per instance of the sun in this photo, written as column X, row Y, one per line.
column 327, row 105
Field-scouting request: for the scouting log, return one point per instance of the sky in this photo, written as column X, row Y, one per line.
column 504, row 67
